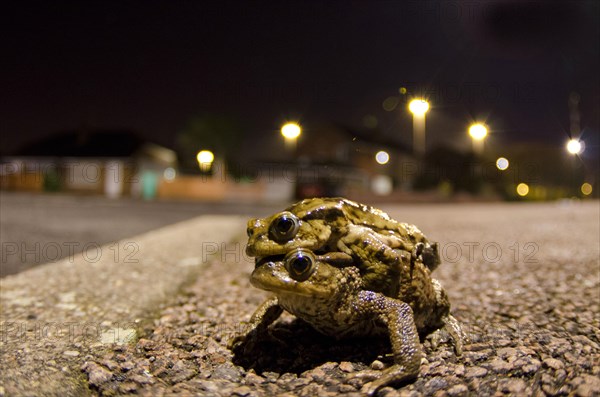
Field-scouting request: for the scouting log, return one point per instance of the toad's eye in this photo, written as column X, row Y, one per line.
column 300, row 264
column 284, row 227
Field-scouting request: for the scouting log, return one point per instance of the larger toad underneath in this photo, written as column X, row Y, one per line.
column 349, row 269
column 332, row 300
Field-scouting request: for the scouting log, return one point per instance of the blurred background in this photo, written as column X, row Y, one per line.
column 266, row 102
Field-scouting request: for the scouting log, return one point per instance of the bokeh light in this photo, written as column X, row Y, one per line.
column 478, row 131
column 418, row 107
column 382, row 185
column 291, row 130
column 382, row 157
column 390, row 103
column 522, row 189
column 205, row 157
column 169, row 173
column 586, row 189
column 502, row 163
column 574, row 146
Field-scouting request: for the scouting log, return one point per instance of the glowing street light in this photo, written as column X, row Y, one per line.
column 418, row 107
column 502, row 163
column 522, row 189
column 205, row 159
column 382, row 157
column 291, row 132
column 478, row 132
column 575, row 146
column 586, row 189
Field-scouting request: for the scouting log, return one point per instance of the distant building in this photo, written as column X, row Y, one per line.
column 113, row 163
column 352, row 153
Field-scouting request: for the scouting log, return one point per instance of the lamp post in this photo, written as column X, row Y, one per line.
column 291, row 132
column 418, row 107
column 478, row 132
column 205, row 159
column 575, row 146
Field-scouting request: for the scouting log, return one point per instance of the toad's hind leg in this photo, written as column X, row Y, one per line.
column 449, row 324
column 398, row 318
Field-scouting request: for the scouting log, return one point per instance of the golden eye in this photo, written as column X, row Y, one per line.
column 300, row 264
column 284, row 227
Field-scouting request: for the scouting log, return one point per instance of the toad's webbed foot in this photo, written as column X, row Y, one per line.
column 454, row 330
column 449, row 324
column 406, row 348
column 395, row 374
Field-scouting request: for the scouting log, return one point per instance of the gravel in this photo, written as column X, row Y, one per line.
column 531, row 313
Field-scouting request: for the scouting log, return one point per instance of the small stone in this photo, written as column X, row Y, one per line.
column 388, row 392
column 476, row 372
column 499, row 366
column 110, row 364
column 346, row 388
column 300, row 382
column 127, row 387
column 531, row 367
column 146, row 344
column 127, row 366
column 253, row 379
column 377, row 365
column 459, row 370
column 514, row 386
column 590, row 386
column 97, row 374
column 226, row 372
column 241, row 391
column 71, row 353
column 271, row 376
column 346, row 366
column 328, row 366
column 476, row 347
column 458, row 390
column 436, row 384
column 317, row 374
column 507, row 353
column 553, row 363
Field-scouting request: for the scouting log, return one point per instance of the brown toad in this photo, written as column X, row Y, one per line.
column 331, row 298
column 378, row 245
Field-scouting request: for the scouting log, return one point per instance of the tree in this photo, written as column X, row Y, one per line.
column 217, row 133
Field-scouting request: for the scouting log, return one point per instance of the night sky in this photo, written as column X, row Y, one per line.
column 149, row 66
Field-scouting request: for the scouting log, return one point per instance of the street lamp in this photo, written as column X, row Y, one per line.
column 502, row 163
column 382, row 157
column 478, row 132
column 522, row 189
column 291, row 132
column 205, row 159
column 418, row 107
column 575, row 146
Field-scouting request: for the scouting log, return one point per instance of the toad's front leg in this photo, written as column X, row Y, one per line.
column 398, row 318
column 264, row 316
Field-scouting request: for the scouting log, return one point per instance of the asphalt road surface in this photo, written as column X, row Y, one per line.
column 37, row 229
column 523, row 280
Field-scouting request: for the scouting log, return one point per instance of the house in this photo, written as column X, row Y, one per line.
column 110, row 162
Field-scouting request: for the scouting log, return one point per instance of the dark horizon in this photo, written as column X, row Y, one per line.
column 150, row 67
